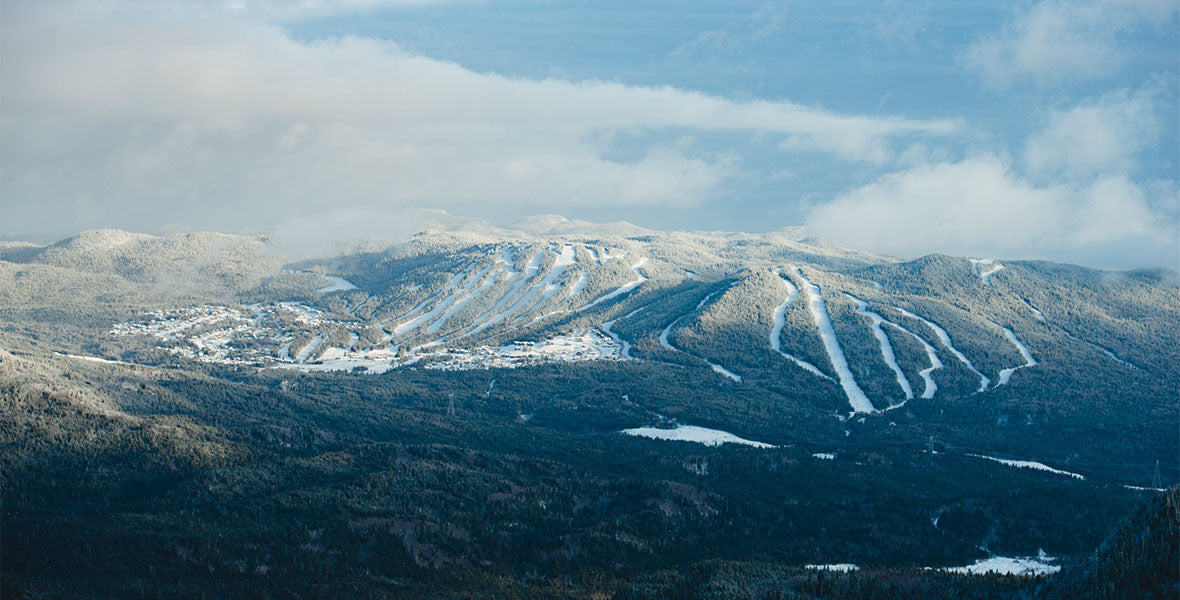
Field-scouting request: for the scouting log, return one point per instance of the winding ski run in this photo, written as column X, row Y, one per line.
column 819, row 312
column 945, row 340
column 623, row 289
column 720, row 370
column 776, row 330
column 1029, row 361
column 887, row 353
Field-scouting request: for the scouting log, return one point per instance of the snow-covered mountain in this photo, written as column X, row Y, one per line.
column 862, row 333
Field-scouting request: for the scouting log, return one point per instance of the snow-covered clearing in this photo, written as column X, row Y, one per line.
column 590, row 345
column 105, row 361
column 824, row 456
column 945, row 340
column 876, row 320
column 623, row 289
column 1029, row 361
column 776, row 330
column 841, row 567
column 819, row 311
column 337, row 284
column 985, row 268
column 1004, row 565
column 692, row 433
column 347, row 362
column 1027, row 464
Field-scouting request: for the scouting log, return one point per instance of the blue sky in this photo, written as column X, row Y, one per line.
column 1015, row 129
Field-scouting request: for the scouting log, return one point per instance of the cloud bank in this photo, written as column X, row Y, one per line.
column 979, row 207
column 209, row 120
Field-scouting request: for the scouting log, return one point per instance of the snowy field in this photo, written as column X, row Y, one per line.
column 692, row 433
column 1003, row 565
column 585, row 346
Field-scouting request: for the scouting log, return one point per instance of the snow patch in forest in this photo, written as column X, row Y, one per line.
column 841, row 567
column 1003, row 565
column 1028, row 464
column 337, row 285
column 692, row 433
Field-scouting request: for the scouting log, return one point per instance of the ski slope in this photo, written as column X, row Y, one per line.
column 776, row 330
column 945, row 340
column 1029, row 361
column 819, row 311
column 887, row 353
column 931, row 355
column 623, row 289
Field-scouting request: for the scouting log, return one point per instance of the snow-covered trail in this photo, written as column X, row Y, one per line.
column 776, row 330
column 720, row 370
column 1029, row 361
column 623, row 289
column 819, row 311
column 1035, row 311
column 498, row 312
column 945, row 340
column 547, row 287
column 451, row 284
column 428, row 315
column 487, row 281
column 931, row 355
column 985, row 268
column 887, row 353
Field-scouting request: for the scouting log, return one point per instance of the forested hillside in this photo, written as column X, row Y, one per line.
column 502, row 413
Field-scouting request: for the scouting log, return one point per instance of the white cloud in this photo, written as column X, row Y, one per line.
column 977, row 207
column 208, row 119
column 1100, row 136
column 1056, row 41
